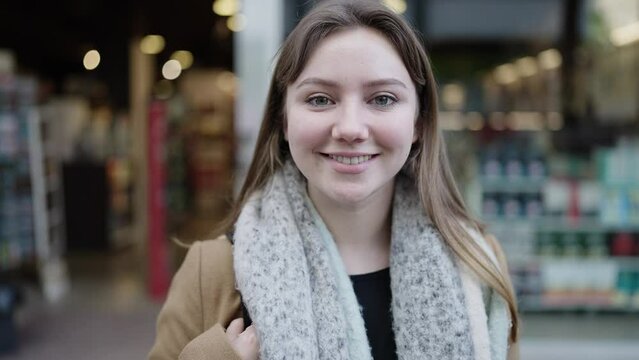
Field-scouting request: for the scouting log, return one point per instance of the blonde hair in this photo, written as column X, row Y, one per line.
column 427, row 162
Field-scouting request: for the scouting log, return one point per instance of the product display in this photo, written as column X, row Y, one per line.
column 562, row 198
column 568, row 224
column 17, row 236
column 200, row 165
column 512, row 176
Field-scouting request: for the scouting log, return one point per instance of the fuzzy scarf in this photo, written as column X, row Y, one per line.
column 300, row 297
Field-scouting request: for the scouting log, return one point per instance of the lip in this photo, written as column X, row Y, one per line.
column 350, row 168
column 348, row 154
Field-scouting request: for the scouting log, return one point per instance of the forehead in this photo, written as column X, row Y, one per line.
column 355, row 51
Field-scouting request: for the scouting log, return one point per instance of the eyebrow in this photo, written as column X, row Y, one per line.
column 333, row 84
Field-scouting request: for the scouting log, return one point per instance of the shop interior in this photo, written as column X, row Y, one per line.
column 126, row 128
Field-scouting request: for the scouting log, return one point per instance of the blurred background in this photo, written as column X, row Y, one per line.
column 127, row 124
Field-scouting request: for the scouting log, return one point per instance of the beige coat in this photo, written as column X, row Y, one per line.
column 189, row 327
column 203, row 300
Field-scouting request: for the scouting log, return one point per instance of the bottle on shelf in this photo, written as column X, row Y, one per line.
column 622, row 244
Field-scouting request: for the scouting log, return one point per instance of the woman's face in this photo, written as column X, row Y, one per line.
column 350, row 118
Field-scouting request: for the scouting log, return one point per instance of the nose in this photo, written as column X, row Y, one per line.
column 350, row 125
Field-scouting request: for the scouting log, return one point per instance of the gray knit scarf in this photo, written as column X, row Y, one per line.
column 300, row 297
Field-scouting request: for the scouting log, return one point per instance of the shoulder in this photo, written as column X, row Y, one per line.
column 202, row 300
column 214, row 259
column 209, row 258
column 217, row 252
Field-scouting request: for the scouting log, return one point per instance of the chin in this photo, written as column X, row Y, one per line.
column 349, row 199
column 349, row 196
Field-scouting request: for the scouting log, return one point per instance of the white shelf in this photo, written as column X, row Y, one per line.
column 624, row 261
column 560, row 224
column 526, row 307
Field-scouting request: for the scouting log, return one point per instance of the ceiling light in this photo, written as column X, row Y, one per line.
column 549, row 59
column 526, row 66
column 91, row 59
column 236, row 22
column 171, row 69
column 152, row 44
column 184, row 57
column 226, row 7
column 505, row 74
column 625, row 35
column 398, row 6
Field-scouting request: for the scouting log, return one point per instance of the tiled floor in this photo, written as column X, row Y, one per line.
column 107, row 315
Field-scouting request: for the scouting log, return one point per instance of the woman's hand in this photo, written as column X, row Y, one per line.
column 244, row 342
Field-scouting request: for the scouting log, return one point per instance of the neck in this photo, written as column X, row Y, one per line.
column 361, row 231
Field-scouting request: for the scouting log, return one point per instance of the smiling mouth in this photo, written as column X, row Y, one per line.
column 350, row 160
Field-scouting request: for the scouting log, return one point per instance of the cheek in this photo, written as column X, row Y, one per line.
column 303, row 130
column 400, row 133
column 396, row 139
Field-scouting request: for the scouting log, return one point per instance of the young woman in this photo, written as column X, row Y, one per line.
column 349, row 239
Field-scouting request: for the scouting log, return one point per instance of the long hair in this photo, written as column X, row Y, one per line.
column 427, row 162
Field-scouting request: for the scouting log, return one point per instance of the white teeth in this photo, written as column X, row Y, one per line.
column 351, row 160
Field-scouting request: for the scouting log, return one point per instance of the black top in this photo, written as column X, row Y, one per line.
column 374, row 295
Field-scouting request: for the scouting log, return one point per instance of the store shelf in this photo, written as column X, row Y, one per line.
column 622, row 260
column 599, row 284
column 562, row 224
column 574, row 303
column 511, row 185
